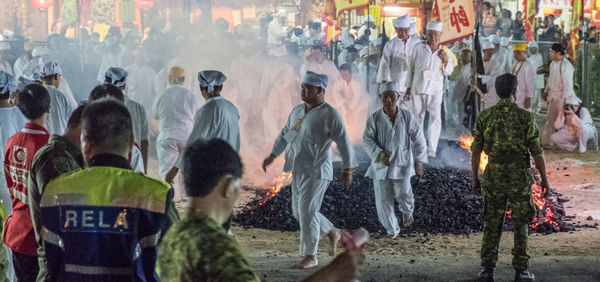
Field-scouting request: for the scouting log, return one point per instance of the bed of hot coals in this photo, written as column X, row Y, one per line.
column 444, row 203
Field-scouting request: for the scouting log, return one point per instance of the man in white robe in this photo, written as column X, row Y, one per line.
column 394, row 142
column 349, row 96
column 525, row 74
column 369, row 23
column 506, row 53
column 429, row 64
column 61, row 106
column 499, row 55
column 575, row 127
column 491, row 70
column 140, row 88
column 24, row 58
column 455, row 106
column 536, row 60
column 558, row 89
column 174, row 109
column 276, row 34
column 318, row 64
column 218, row 118
column 139, row 121
column 395, row 60
column 306, row 139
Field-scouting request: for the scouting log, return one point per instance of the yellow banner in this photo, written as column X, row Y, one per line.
column 375, row 11
column 101, row 29
column 458, row 18
column 345, row 5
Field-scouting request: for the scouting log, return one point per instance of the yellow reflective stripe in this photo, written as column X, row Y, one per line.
column 19, row 195
column 97, row 270
column 53, row 238
column 149, row 241
column 125, row 201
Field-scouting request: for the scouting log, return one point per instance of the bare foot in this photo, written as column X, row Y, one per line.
column 334, row 238
column 407, row 220
column 306, row 262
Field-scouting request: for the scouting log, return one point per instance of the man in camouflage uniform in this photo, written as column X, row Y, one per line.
column 508, row 135
column 198, row 248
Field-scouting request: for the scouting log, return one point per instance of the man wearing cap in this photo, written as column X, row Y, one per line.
column 139, row 122
column 558, row 89
column 394, row 64
column 509, row 136
column 276, row 34
column 306, row 139
column 61, row 106
column 218, row 118
column 525, row 74
column 397, row 148
column 536, row 60
column 575, row 127
column 174, row 109
column 491, row 71
column 317, row 63
column 429, row 64
column 369, row 23
column 5, row 64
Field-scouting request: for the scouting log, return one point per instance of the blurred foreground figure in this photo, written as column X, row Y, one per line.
column 198, row 248
column 97, row 233
column 174, row 109
column 394, row 142
column 306, row 138
column 509, row 135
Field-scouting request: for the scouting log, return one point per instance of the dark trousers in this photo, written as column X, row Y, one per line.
column 26, row 267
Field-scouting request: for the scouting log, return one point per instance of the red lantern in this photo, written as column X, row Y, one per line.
column 144, row 4
column 42, row 4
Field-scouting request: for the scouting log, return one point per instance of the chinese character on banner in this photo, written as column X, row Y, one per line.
column 458, row 18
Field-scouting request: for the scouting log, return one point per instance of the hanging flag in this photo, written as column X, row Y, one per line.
column 576, row 21
column 531, row 9
column 347, row 5
column 332, row 30
column 458, row 17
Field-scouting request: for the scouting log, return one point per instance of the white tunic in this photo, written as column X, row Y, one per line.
column 492, row 70
column 61, row 108
column 403, row 139
column 560, row 81
column 139, row 122
column 526, row 87
column 537, row 61
column 20, row 65
column 140, row 85
column 352, row 101
column 11, row 122
column 327, row 67
column 306, row 139
column 584, row 131
column 394, row 64
column 174, row 109
column 426, row 75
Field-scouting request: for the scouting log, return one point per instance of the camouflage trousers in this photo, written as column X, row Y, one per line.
column 495, row 201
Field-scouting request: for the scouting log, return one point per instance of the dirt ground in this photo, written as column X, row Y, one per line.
column 568, row 256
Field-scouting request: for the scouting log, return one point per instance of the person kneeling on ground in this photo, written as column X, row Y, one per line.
column 198, row 248
column 575, row 127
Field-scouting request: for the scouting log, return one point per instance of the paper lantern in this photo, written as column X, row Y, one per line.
column 144, row 4
column 43, row 4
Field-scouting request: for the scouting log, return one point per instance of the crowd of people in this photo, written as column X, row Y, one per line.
column 81, row 113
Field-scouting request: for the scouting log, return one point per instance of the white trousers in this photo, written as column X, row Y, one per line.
column 422, row 104
column 536, row 102
column 307, row 196
column 386, row 192
column 554, row 109
column 168, row 151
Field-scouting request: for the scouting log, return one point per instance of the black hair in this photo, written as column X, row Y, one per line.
column 4, row 96
column 505, row 84
column 106, row 90
column 107, row 125
column 316, row 47
column 315, row 26
column 205, row 162
column 33, row 101
column 298, row 31
column 351, row 49
column 75, row 118
column 557, row 47
column 346, row 67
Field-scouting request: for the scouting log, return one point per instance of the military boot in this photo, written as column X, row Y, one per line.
column 488, row 274
column 524, row 275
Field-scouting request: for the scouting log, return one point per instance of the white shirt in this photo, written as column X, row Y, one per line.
column 560, row 81
column 537, row 61
column 327, row 67
column 394, row 63
column 426, row 75
column 585, row 128
column 20, row 65
column 174, row 109
column 218, row 118
column 492, row 70
column 140, row 85
column 352, row 101
column 61, row 108
column 526, row 78
column 11, row 122
column 306, row 139
column 139, row 121
column 275, row 33
column 403, row 139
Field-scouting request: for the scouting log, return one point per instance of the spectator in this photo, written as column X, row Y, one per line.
column 505, row 24
column 550, row 31
column 489, row 19
column 518, row 30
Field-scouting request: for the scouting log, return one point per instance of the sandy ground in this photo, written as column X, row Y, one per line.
column 569, row 256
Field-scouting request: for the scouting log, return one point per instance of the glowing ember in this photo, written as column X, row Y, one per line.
column 465, row 143
column 278, row 183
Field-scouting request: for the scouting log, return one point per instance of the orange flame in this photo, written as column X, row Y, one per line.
column 278, row 183
column 465, row 143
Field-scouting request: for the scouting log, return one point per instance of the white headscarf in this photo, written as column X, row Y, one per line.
column 211, row 78
column 116, row 76
column 6, row 83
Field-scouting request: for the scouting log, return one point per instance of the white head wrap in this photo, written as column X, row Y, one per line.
column 4, row 46
column 532, row 44
column 6, row 83
column 48, row 68
column 211, row 78
column 573, row 100
column 116, row 76
column 486, row 44
column 413, row 29
column 22, row 82
column 369, row 19
column 494, row 39
column 402, row 22
column 389, row 86
column 435, row 25
column 39, row 51
column 281, row 14
column 504, row 41
column 315, row 79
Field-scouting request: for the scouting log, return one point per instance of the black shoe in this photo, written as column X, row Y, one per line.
column 524, row 275
column 487, row 274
